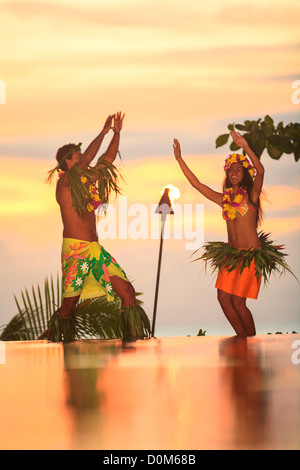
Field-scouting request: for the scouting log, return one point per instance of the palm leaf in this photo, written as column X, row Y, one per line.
column 104, row 174
column 90, row 323
column 93, row 318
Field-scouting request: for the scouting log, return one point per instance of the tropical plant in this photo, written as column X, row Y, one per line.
column 263, row 134
column 201, row 332
column 93, row 318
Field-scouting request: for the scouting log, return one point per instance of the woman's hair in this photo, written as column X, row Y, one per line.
column 60, row 156
column 247, row 183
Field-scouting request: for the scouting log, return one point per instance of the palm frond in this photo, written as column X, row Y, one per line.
column 134, row 323
column 90, row 323
column 104, row 174
column 93, row 318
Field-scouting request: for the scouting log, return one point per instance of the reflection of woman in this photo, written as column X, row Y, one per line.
column 240, row 202
column 243, row 391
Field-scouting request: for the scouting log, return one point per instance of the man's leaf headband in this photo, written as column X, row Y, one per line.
column 237, row 158
column 76, row 148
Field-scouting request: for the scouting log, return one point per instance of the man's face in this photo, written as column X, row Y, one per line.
column 75, row 158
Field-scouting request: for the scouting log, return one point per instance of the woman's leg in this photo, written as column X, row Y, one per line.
column 239, row 304
column 124, row 290
column 234, row 319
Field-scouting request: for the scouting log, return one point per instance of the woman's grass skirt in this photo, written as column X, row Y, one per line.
column 240, row 271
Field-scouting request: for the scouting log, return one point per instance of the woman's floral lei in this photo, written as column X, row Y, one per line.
column 230, row 208
column 94, row 199
column 237, row 158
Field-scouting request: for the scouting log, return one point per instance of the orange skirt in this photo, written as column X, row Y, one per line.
column 243, row 284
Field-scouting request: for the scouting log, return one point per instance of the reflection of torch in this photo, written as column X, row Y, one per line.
column 169, row 194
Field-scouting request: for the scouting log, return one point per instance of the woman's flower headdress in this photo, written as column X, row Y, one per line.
column 76, row 148
column 237, row 158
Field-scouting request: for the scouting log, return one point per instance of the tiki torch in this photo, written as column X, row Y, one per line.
column 164, row 208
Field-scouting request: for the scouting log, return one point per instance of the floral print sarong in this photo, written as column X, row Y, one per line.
column 86, row 269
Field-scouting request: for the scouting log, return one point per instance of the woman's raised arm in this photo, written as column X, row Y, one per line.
column 260, row 171
column 207, row 192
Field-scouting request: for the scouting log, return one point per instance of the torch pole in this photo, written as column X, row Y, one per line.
column 163, row 219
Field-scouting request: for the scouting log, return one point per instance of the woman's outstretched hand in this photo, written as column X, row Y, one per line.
column 239, row 139
column 177, row 150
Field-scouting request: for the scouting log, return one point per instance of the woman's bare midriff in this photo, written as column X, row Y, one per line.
column 242, row 231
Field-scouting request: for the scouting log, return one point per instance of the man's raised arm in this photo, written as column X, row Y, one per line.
column 92, row 150
column 113, row 147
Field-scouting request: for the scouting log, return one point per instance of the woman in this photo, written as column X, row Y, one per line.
column 240, row 202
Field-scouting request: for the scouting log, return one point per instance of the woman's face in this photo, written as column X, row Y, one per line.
column 235, row 173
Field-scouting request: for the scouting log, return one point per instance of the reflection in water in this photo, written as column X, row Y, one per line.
column 243, row 377
column 171, row 393
column 84, row 363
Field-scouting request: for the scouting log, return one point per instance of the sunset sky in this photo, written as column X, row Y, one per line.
column 177, row 69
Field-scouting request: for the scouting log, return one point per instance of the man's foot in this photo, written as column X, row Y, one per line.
column 61, row 329
column 135, row 323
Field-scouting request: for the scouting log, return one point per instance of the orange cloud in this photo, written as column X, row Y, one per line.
column 30, row 213
column 144, row 179
column 23, row 189
column 281, row 197
column 282, row 226
column 157, row 68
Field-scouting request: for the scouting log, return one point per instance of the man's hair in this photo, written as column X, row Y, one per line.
column 60, row 156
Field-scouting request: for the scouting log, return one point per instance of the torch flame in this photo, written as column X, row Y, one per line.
column 174, row 192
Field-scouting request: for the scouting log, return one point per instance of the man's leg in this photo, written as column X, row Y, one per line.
column 135, row 323
column 225, row 301
column 61, row 326
column 67, row 306
column 124, row 290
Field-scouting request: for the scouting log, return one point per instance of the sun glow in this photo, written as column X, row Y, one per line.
column 174, row 192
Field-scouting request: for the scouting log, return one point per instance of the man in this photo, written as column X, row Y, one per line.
column 88, row 269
